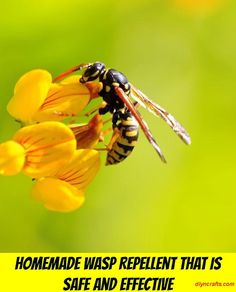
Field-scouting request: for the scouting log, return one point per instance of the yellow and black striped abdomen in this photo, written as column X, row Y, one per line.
column 126, row 141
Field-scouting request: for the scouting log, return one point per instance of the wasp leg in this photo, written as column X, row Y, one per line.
column 101, row 149
column 105, row 109
column 116, row 134
column 105, row 132
column 96, row 108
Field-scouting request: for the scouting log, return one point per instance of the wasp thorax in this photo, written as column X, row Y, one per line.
column 92, row 72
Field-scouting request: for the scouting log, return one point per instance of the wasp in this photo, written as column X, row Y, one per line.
column 117, row 93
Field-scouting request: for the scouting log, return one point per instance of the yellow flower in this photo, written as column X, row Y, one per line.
column 39, row 150
column 88, row 135
column 64, row 192
column 37, row 99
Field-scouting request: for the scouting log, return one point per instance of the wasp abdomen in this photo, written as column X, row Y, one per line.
column 126, row 141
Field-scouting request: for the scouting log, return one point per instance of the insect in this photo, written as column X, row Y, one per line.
column 117, row 91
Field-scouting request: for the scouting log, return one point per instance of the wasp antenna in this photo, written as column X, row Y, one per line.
column 70, row 71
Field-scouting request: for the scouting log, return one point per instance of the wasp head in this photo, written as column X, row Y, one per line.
column 92, row 72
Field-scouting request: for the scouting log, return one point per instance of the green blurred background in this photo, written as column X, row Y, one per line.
column 183, row 56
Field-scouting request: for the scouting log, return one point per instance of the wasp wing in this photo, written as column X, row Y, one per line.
column 157, row 110
column 68, row 72
column 126, row 100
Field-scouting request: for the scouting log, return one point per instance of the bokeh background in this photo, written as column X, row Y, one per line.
column 182, row 53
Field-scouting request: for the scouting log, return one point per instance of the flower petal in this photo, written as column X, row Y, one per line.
column 82, row 169
column 29, row 94
column 48, row 147
column 64, row 99
column 57, row 195
column 12, row 158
